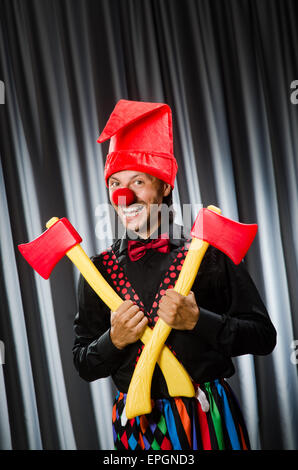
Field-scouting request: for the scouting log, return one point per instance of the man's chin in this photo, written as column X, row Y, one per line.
column 139, row 228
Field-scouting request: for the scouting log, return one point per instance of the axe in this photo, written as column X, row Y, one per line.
column 210, row 227
column 45, row 251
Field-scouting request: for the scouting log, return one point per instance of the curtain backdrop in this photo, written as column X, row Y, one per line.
column 226, row 69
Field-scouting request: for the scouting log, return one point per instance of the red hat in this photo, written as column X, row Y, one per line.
column 141, row 139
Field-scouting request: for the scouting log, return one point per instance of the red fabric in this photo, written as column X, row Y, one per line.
column 206, row 441
column 242, row 439
column 166, row 444
column 137, row 249
column 141, row 139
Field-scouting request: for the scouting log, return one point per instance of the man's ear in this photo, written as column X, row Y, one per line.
column 167, row 189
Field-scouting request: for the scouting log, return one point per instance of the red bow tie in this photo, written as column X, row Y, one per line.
column 137, row 249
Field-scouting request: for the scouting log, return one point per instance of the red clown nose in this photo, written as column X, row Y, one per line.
column 123, row 197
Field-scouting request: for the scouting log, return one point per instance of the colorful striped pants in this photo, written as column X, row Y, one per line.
column 181, row 423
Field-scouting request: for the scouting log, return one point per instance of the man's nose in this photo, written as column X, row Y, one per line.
column 123, row 197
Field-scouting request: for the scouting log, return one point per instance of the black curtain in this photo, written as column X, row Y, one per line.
column 227, row 68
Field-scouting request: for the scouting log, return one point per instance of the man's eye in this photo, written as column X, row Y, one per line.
column 113, row 184
column 138, row 182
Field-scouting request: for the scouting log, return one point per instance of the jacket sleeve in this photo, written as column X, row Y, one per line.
column 94, row 354
column 235, row 321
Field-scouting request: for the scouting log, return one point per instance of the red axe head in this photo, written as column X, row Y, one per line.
column 44, row 252
column 233, row 238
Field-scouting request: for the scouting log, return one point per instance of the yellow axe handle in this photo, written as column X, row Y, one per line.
column 177, row 379
column 138, row 400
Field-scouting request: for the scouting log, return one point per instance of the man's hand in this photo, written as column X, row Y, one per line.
column 127, row 324
column 179, row 311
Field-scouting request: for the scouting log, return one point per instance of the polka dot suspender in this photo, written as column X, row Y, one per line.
column 124, row 288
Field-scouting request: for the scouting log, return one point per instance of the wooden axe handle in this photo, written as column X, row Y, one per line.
column 177, row 379
column 138, row 400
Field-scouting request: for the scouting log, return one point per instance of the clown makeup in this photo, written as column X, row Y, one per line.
column 142, row 216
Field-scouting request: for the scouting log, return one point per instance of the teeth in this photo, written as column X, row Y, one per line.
column 132, row 210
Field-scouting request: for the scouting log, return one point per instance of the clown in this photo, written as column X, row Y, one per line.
column 223, row 316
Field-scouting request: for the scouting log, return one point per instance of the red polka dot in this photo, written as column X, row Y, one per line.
column 172, row 268
column 110, row 263
column 127, row 297
column 135, row 297
column 179, row 255
column 173, row 274
column 156, row 318
column 115, row 267
column 106, row 257
column 118, row 288
column 128, row 284
column 120, row 275
column 162, row 292
column 113, row 257
column 121, row 282
column 113, row 276
column 109, row 270
column 124, row 291
column 104, row 262
column 167, row 280
column 179, row 268
column 182, row 261
column 154, row 305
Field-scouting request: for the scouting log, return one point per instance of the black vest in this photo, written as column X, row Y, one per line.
column 118, row 279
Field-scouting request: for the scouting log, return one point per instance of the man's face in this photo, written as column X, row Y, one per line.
column 141, row 216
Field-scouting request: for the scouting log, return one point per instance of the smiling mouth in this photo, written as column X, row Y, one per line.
column 132, row 211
